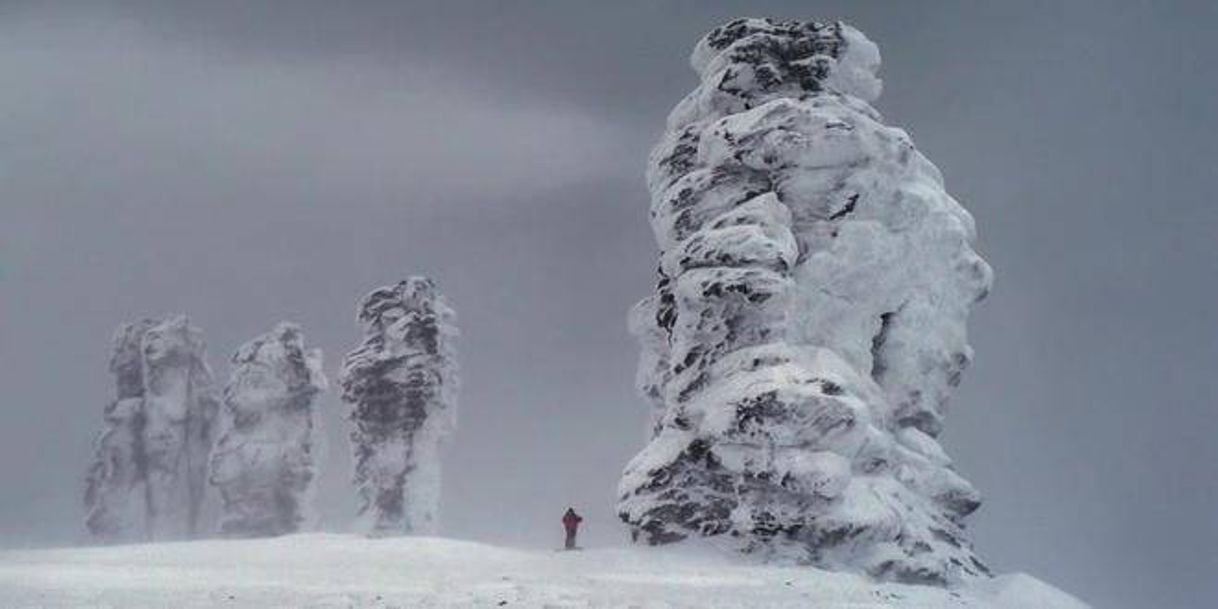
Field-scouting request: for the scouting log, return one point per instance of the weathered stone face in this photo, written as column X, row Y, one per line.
column 401, row 384
column 148, row 480
column 264, row 465
column 809, row 319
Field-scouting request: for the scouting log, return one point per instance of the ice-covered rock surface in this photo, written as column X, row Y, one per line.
column 148, row 480
column 264, row 464
column 809, row 320
column 401, row 384
column 346, row 572
column 116, row 484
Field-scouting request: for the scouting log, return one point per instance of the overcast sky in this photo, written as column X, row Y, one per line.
column 246, row 164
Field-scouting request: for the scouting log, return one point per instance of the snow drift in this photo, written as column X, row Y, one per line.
column 345, row 572
column 808, row 323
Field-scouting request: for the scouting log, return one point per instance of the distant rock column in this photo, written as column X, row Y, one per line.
column 265, row 462
column 180, row 410
column 116, row 485
column 148, row 480
column 401, row 384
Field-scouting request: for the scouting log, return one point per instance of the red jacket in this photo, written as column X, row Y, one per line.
column 571, row 520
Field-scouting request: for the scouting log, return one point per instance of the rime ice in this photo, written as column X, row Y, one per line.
column 808, row 324
column 401, row 384
column 116, row 486
column 264, row 464
column 148, row 479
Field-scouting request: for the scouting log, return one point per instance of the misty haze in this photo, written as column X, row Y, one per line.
column 620, row 304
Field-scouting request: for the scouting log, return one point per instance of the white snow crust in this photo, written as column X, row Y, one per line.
column 322, row 571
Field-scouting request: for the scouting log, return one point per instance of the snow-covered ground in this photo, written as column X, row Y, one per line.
column 318, row 571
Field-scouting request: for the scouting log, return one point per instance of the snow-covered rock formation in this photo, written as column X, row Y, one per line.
column 180, row 409
column 402, row 387
column 116, row 488
column 148, row 480
column 264, row 464
column 809, row 320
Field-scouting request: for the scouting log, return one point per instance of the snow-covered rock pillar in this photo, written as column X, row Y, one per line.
column 401, row 384
column 264, row 464
column 809, row 319
column 180, row 409
column 115, row 490
column 148, row 480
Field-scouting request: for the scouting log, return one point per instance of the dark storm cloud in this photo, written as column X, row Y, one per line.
column 247, row 162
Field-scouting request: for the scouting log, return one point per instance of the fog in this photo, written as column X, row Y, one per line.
column 249, row 164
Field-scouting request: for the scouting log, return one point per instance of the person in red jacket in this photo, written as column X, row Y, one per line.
column 570, row 522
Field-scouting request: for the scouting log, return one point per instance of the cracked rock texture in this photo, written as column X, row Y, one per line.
column 808, row 323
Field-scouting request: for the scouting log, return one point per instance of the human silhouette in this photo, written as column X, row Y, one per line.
column 570, row 522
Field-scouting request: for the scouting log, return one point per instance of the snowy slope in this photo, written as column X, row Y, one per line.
column 337, row 571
